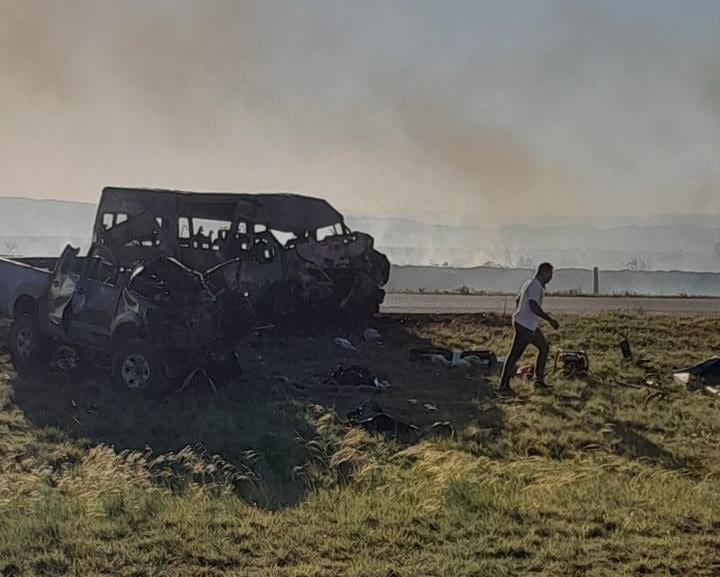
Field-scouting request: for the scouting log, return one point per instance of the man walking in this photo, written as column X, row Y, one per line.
column 526, row 323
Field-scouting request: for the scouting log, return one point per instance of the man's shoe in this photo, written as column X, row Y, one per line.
column 541, row 385
column 506, row 392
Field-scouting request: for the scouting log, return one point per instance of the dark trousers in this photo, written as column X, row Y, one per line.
column 523, row 337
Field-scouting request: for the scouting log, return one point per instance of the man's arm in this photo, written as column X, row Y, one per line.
column 537, row 309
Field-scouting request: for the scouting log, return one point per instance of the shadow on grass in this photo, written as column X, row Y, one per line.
column 236, row 424
column 632, row 444
column 262, row 417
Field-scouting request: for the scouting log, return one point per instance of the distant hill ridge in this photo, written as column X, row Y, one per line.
column 688, row 242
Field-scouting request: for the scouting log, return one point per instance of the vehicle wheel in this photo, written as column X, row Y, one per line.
column 136, row 367
column 29, row 348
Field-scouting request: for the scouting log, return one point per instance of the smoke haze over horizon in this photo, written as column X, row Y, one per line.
column 458, row 111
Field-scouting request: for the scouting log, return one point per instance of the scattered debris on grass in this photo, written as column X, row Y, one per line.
column 357, row 376
column 372, row 335
column 625, row 348
column 573, row 364
column 370, row 417
column 704, row 375
column 442, row 429
column 484, row 360
column 344, row 343
column 364, row 409
column 387, row 425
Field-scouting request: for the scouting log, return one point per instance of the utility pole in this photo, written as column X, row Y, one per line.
column 596, row 281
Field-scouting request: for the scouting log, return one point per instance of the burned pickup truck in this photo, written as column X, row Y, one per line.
column 183, row 275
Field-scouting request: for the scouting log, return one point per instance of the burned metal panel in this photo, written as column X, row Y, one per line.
column 82, row 297
column 167, row 281
column 707, row 372
column 340, row 271
column 357, row 270
column 61, row 290
column 297, row 213
column 335, row 251
column 137, row 226
column 92, row 312
column 18, row 279
column 247, row 284
column 184, row 319
column 133, row 202
column 229, row 207
column 282, row 211
column 139, row 236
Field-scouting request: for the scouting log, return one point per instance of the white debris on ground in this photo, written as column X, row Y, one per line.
column 372, row 335
column 344, row 343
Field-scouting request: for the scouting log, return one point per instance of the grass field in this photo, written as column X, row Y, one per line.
column 601, row 476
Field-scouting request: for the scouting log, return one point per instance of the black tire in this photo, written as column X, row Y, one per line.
column 136, row 367
column 29, row 347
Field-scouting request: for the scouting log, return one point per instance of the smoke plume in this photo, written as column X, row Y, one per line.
column 460, row 111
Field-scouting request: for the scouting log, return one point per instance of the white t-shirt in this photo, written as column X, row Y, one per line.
column 532, row 290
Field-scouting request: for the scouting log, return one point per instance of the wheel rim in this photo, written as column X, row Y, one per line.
column 135, row 371
column 24, row 343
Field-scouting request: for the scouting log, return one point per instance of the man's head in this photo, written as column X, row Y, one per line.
column 545, row 273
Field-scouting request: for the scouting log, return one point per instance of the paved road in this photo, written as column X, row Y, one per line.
column 453, row 304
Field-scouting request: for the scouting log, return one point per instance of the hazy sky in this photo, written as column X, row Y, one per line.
column 453, row 111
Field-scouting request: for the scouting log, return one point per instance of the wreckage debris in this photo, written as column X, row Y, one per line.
column 387, row 425
column 372, row 336
column 626, row 349
column 644, row 363
column 381, row 385
column 354, row 376
column 283, row 254
column 455, row 362
column 654, row 391
column 441, row 429
column 484, row 360
column 704, row 375
column 344, row 343
column 384, row 423
column 172, row 278
column 370, row 417
column 425, row 354
column 440, row 361
column 65, row 359
column 262, row 330
column 573, row 364
column 364, row 409
column 357, row 376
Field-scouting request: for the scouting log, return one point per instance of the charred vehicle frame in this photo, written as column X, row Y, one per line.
column 172, row 279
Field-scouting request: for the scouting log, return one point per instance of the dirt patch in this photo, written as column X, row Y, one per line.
column 418, row 394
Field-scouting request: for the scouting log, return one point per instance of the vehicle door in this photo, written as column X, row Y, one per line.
column 95, row 299
column 62, row 287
